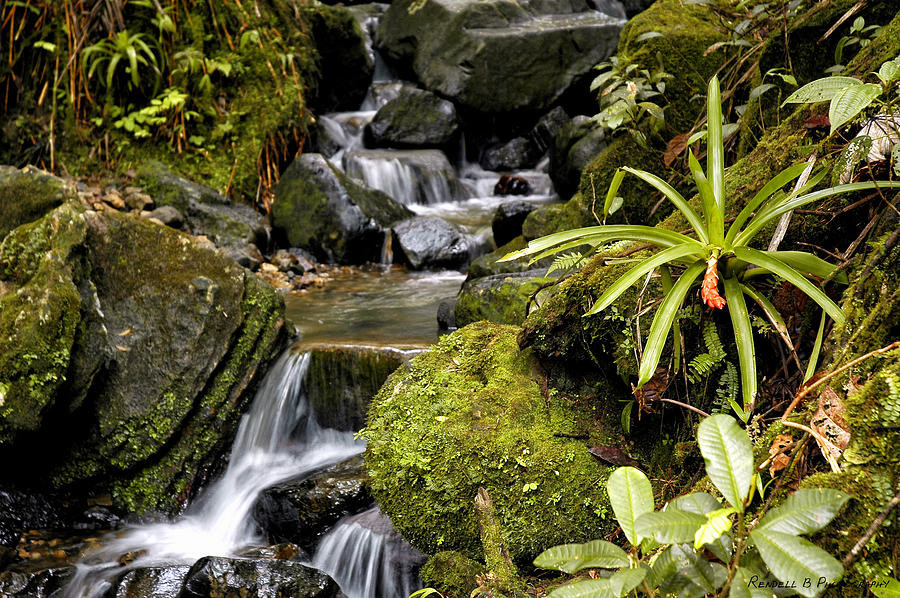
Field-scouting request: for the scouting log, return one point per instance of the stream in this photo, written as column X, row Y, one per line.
column 380, row 306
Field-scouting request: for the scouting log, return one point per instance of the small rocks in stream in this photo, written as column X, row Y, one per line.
column 135, row 199
column 168, row 215
column 431, row 242
column 515, row 154
column 293, row 261
column 256, row 578
column 508, row 218
column 511, row 185
column 446, row 317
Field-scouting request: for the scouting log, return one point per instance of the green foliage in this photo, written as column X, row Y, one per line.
column 860, row 35
column 624, row 94
column 721, row 253
column 696, row 547
column 848, row 97
column 123, row 57
column 567, row 261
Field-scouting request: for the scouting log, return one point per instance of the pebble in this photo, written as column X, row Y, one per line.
column 114, row 199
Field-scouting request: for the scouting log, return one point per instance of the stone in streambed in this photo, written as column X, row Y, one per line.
column 256, row 578
column 149, row 582
column 430, row 242
column 320, row 209
column 416, row 119
column 500, row 298
column 508, row 218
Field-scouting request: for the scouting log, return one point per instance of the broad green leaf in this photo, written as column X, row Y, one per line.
column 672, row 254
column 717, row 523
column 793, row 559
column 600, row 234
column 662, row 567
column 666, row 278
column 715, row 151
column 676, row 198
column 663, row 319
column 700, row 503
column 630, row 496
column 746, row 584
column 570, row 558
column 670, row 526
column 706, row 575
column 589, row 588
column 714, row 220
column 805, row 511
column 728, row 455
column 821, row 90
column 775, row 266
column 722, row 547
column 886, row 587
column 625, row 580
column 817, row 348
column 889, row 71
column 807, row 263
column 849, row 102
column 777, row 182
column 612, row 193
column 743, row 337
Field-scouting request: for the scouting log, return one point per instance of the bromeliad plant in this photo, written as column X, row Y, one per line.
column 670, row 547
column 713, row 252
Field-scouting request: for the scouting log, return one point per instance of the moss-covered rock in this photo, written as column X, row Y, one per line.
column 500, row 298
column 129, row 345
column 26, row 195
column 452, row 573
column 471, row 413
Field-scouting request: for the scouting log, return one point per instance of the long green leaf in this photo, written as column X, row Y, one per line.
column 793, row 559
column 630, row 496
column 714, row 218
column 805, row 511
column 601, row 234
column 666, row 278
column 715, row 151
column 700, row 503
column 612, row 192
column 777, row 182
column 676, row 198
column 717, row 523
column 672, row 254
column 779, row 268
column 707, row 575
column 849, row 102
column 728, row 455
column 821, row 90
column 771, row 314
column 743, row 336
column 817, row 348
column 663, row 319
column 670, row 526
column 761, row 219
column 570, row 558
column 625, row 580
column 807, row 263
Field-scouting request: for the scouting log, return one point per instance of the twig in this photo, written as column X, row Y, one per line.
column 686, row 406
column 785, row 219
column 857, row 548
column 853, row 10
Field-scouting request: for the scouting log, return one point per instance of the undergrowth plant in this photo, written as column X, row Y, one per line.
column 696, row 546
column 709, row 252
column 625, row 95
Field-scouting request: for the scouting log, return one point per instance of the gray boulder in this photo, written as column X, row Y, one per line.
column 382, row 92
column 428, row 242
column 415, row 119
column 515, row 154
column 508, row 218
column 575, row 146
column 149, row 582
column 320, row 209
column 461, row 49
column 256, row 578
column 26, row 195
column 343, row 59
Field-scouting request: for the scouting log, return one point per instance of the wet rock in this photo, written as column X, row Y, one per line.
column 500, row 298
column 293, row 261
column 382, row 92
column 301, row 511
column 547, row 128
column 149, row 582
column 446, row 317
column 205, row 211
column 146, row 348
column 168, row 215
column 511, row 185
column 20, row 511
column 407, row 176
column 428, row 242
column 26, row 195
column 574, row 147
column 30, row 580
column 461, row 49
column 286, row 551
column 416, row 119
column 320, row 209
column 633, row 7
column 256, row 578
column 508, row 218
column 515, row 154
column 248, row 256
column 343, row 59
column 136, row 199
column 114, row 199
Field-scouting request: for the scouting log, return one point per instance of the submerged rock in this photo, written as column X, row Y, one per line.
column 132, row 347
column 430, row 242
column 30, row 580
column 320, row 209
column 470, row 413
column 461, row 49
column 256, row 578
column 302, row 511
column 416, row 119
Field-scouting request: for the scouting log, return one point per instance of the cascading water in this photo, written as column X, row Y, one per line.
column 278, row 439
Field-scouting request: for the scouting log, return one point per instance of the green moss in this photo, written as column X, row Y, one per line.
column 452, row 573
column 469, row 414
column 555, row 217
column 25, row 196
column 501, row 298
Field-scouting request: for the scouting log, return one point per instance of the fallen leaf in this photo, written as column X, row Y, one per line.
column 121, row 348
column 125, row 332
column 613, row 455
column 778, row 453
column 830, row 423
column 819, row 121
column 675, row 148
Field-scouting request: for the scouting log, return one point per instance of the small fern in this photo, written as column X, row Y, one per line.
column 729, row 385
column 567, row 261
column 705, row 364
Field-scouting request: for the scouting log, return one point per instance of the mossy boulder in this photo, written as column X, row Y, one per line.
column 417, row 119
column 26, row 195
column 487, row 264
column 500, row 298
column 452, row 573
column 473, row 412
column 130, row 346
column 320, row 209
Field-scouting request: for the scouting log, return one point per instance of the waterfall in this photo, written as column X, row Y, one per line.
column 278, row 439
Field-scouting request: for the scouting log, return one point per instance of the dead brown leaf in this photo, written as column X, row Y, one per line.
column 675, row 148
column 778, row 453
column 830, row 423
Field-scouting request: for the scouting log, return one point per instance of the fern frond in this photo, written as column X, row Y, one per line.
column 567, row 261
column 704, row 364
column 729, row 386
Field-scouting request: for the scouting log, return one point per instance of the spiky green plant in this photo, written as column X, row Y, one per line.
column 710, row 248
